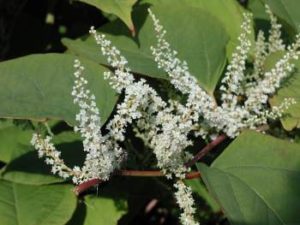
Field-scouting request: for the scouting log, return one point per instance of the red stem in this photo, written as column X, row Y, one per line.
column 206, row 149
column 86, row 185
column 131, row 173
column 155, row 173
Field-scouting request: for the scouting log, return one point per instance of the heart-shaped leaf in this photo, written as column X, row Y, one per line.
column 256, row 180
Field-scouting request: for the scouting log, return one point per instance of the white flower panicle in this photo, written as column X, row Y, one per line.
column 186, row 203
column 167, row 60
column 122, row 76
column 140, row 102
column 53, row 157
column 199, row 103
column 258, row 95
column 244, row 96
column 232, row 81
column 275, row 42
column 259, row 61
column 103, row 156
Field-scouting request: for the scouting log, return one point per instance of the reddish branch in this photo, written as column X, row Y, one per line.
column 129, row 173
column 206, row 149
column 155, row 173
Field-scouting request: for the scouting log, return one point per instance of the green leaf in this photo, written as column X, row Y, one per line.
column 104, row 210
column 35, row 205
column 38, row 87
column 256, row 180
column 203, row 48
column 228, row 12
column 257, row 8
column 287, row 10
column 14, row 142
column 120, row 8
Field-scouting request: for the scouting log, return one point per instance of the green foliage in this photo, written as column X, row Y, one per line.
column 228, row 12
column 104, row 211
column 14, row 142
column 256, row 180
column 38, row 87
column 120, row 8
column 34, row 205
column 205, row 50
column 286, row 10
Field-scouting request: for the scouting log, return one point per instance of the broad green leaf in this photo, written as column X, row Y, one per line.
column 104, row 210
column 35, row 205
column 257, row 8
column 38, row 87
column 120, row 8
column 228, row 12
column 14, row 142
column 256, row 180
column 287, row 10
column 197, row 36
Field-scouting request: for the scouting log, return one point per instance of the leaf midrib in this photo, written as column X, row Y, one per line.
column 254, row 191
column 16, row 203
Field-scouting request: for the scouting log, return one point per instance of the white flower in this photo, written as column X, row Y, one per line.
column 233, row 114
column 52, row 157
column 185, row 201
column 275, row 42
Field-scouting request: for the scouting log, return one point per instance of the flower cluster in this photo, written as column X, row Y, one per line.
column 52, row 157
column 186, row 203
column 243, row 96
column 165, row 126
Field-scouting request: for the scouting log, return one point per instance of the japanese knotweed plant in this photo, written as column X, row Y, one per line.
column 166, row 126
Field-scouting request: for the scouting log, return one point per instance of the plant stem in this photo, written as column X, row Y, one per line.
column 129, row 173
column 155, row 173
column 206, row 149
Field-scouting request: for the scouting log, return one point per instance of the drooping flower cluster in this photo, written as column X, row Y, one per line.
column 165, row 126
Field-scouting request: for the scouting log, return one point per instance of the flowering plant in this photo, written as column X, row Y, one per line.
column 145, row 112
column 165, row 126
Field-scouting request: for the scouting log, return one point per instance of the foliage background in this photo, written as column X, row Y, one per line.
column 255, row 181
